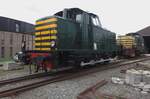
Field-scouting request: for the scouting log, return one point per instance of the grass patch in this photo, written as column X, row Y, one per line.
column 3, row 60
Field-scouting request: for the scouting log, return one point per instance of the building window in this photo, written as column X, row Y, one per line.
column 11, row 51
column 11, row 38
column 23, row 45
column 2, row 52
column 3, row 38
column 17, row 27
column 2, row 42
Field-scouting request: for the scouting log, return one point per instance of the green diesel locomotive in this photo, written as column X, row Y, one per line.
column 72, row 37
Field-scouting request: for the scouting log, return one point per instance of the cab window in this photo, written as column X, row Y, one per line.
column 95, row 21
column 79, row 18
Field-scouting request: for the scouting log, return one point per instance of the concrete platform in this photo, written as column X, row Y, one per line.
column 11, row 66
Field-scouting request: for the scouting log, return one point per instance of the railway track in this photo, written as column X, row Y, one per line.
column 29, row 77
column 62, row 77
column 91, row 92
column 19, row 79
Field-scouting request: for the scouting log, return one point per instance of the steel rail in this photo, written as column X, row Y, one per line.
column 29, row 77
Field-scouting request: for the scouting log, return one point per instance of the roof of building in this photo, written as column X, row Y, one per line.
column 12, row 25
column 144, row 32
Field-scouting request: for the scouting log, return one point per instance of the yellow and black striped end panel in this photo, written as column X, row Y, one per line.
column 46, row 32
column 46, row 21
column 37, row 28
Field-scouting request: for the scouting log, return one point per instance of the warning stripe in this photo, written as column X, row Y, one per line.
column 45, row 27
column 46, row 21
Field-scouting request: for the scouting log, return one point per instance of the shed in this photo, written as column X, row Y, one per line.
column 145, row 33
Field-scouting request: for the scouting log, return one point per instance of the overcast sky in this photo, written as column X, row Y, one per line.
column 120, row 16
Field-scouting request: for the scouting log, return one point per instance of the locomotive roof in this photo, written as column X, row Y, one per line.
column 75, row 10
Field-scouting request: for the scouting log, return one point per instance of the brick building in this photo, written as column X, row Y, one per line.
column 13, row 35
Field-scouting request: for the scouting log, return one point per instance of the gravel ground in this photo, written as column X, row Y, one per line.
column 69, row 89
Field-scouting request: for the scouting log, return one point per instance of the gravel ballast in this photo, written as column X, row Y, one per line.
column 69, row 89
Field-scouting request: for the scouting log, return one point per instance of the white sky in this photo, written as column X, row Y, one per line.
column 120, row 16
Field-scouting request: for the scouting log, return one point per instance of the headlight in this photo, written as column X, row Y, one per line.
column 52, row 43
